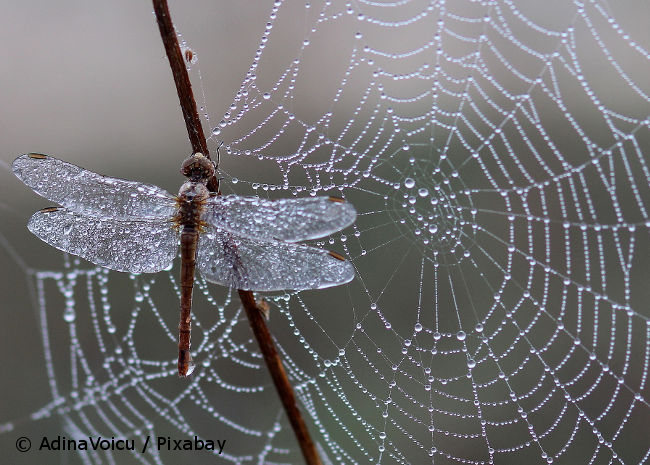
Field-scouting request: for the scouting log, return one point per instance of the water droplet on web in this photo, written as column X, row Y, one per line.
column 460, row 335
column 409, row 183
column 418, row 327
column 69, row 315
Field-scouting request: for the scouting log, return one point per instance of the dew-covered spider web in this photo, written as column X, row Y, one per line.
column 497, row 155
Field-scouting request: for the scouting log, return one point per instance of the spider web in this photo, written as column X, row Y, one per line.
column 496, row 153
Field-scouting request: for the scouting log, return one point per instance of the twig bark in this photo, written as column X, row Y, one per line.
column 255, row 315
column 280, row 379
column 183, row 84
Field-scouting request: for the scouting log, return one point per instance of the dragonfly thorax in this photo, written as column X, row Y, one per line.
column 192, row 191
column 191, row 201
column 198, row 168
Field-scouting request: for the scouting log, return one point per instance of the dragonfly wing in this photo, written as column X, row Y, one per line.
column 284, row 219
column 92, row 194
column 248, row 264
column 130, row 246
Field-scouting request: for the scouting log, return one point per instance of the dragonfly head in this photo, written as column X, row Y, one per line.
column 198, row 168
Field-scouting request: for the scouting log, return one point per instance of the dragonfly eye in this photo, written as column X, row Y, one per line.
column 197, row 167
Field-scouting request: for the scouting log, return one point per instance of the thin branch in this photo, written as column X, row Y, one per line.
column 183, row 84
column 280, row 379
column 254, row 313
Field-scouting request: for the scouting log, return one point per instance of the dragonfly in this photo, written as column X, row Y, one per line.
column 246, row 243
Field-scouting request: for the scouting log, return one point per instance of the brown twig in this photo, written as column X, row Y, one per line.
column 255, row 315
column 183, row 84
column 280, row 379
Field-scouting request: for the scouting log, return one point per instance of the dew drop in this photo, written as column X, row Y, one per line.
column 190, row 369
column 69, row 315
column 409, row 183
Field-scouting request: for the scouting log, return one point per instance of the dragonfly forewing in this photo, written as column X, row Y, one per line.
column 289, row 220
column 92, row 194
column 248, row 264
column 129, row 246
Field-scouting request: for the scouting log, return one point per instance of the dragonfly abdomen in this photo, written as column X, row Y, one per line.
column 189, row 241
column 191, row 200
